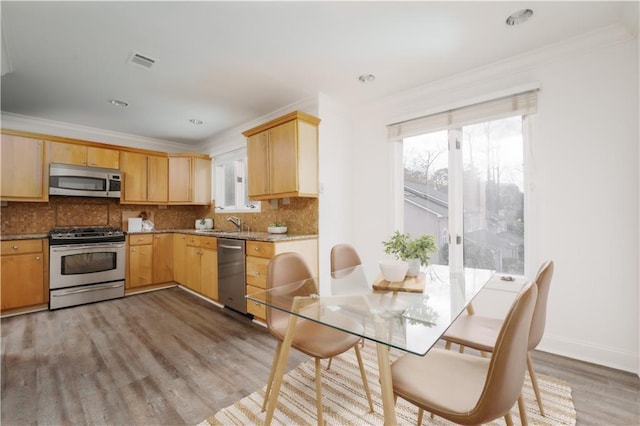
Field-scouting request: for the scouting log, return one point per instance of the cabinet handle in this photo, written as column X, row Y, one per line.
column 37, row 257
column 256, row 248
column 257, row 274
column 133, row 249
column 15, row 247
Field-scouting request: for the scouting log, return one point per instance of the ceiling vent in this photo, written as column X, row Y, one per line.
column 141, row 60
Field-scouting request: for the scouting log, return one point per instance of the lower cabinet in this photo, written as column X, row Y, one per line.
column 25, row 273
column 162, row 258
column 259, row 253
column 196, row 264
column 139, row 260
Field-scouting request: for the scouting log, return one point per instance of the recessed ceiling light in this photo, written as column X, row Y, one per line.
column 119, row 103
column 366, row 78
column 196, row 121
column 519, row 17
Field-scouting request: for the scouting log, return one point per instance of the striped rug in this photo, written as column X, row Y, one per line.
column 345, row 402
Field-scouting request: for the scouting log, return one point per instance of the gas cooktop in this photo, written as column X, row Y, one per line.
column 78, row 235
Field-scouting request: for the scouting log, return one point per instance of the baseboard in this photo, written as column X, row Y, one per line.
column 588, row 352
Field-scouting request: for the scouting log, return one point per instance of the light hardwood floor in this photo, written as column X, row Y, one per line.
column 170, row 358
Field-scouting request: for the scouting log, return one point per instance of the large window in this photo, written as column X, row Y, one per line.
column 463, row 182
column 230, row 174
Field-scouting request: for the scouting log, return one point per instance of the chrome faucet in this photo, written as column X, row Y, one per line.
column 236, row 221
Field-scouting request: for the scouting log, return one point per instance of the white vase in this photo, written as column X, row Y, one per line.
column 414, row 267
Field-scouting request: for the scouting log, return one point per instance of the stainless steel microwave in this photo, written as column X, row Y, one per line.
column 83, row 181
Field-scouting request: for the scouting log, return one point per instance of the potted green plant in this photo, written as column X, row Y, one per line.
column 277, row 228
column 413, row 250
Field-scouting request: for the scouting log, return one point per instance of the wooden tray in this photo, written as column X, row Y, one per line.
column 410, row 284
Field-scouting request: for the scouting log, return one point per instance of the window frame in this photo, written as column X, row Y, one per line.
column 237, row 157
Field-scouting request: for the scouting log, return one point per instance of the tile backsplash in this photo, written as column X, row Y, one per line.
column 300, row 215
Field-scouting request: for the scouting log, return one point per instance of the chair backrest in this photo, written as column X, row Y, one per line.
column 509, row 360
column 344, row 256
column 284, row 268
column 543, row 281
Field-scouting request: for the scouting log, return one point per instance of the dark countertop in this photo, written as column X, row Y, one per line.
column 23, row 237
column 252, row 236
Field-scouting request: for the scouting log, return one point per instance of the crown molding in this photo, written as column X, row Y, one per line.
column 57, row 128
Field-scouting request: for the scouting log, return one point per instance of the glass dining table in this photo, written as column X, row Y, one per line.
column 411, row 322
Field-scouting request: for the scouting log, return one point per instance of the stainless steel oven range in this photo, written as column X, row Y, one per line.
column 85, row 265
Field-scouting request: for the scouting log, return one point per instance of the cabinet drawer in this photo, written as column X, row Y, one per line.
column 260, row 249
column 257, row 271
column 21, row 246
column 138, row 239
column 256, row 309
column 193, row 240
column 209, row 242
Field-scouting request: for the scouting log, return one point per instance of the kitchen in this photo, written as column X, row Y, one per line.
column 569, row 128
column 166, row 252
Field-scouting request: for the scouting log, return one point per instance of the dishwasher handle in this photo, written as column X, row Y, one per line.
column 230, row 247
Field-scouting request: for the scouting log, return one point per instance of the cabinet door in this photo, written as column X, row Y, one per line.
column 283, row 158
column 68, row 153
column 179, row 179
column 180, row 258
column 103, row 157
column 23, row 170
column 158, row 178
column 162, row 258
column 22, row 280
column 134, row 171
column 209, row 273
column 140, row 265
column 201, row 181
column 257, row 164
column 193, row 274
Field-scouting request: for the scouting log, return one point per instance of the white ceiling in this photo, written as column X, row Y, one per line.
column 227, row 63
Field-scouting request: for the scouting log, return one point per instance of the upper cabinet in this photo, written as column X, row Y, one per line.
column 189, row 179
column 84, row 155
column 145, row 178
column 282, row 157
column 24, row 169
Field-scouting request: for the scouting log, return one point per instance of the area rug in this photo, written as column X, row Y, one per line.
column 345, row 402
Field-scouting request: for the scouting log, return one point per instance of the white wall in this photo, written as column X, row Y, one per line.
column 583, row 184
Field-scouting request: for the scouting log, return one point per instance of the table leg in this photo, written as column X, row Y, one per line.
column 281, row 366
column 384, row 369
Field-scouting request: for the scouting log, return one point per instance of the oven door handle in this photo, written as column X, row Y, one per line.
column 76, row 247
column 85, row 290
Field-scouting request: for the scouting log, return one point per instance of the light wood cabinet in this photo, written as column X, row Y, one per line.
column 24, row 170
column 162, row 258
column 84, row 155
column 140, row 260
column 24, row 273
column 260, row 253
column 282, row 157
column 180, row 258
column 201, row 274
column 145, row 178
column 189, row 179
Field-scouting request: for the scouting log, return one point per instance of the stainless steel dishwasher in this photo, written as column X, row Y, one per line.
column 231, row 274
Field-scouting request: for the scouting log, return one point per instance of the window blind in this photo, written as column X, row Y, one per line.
column 524, row 103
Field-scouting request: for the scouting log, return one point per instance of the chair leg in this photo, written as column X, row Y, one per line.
column 329, row 364
column 271, row 373
column 508, row 420
column 522, row 409
column 447, row 345
column 420, row 413
column 364, row 377
column 534, row 382
column 319, row 391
